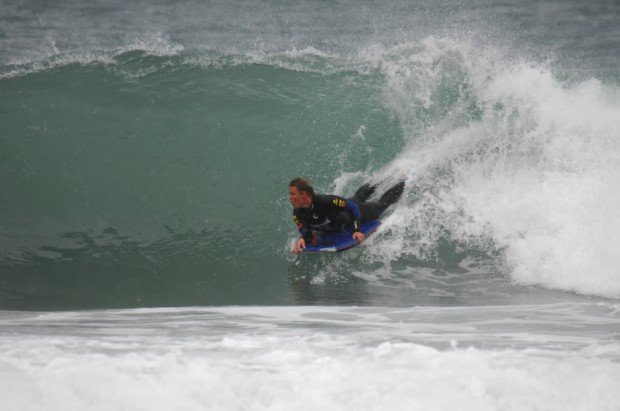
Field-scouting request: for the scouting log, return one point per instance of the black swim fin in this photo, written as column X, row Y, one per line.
column 393, row 194
column 364, row 192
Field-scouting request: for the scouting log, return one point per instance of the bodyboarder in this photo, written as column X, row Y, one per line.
column 318, row 214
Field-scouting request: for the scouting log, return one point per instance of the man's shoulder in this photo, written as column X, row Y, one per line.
column 327, row 198
column 331, row 200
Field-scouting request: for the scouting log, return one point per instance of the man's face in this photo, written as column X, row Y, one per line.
column 298, row 199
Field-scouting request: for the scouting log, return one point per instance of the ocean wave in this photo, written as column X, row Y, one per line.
column 505, row 154
column 507, row 164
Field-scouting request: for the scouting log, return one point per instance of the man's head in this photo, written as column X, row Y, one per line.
column 300, row 192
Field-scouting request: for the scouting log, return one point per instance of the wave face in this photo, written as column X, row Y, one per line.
column 144, row 155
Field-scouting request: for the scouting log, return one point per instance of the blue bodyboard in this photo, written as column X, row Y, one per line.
column 341, row 241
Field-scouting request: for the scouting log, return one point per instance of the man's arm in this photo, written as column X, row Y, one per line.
column 305, row 232
column 306, row 235
column 338, row 203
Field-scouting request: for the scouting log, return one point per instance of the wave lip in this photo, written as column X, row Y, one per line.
column 503, row 154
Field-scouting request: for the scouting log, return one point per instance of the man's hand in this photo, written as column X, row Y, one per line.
column 299, row 245
column 359, row 236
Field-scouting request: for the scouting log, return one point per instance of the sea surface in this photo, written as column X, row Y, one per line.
column 145, row 230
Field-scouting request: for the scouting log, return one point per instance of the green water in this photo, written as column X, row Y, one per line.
column 145, row 153
column 153, row 174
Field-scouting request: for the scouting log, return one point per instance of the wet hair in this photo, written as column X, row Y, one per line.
column 303, row 185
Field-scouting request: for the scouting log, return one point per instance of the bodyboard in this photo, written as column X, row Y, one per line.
column 341, row 241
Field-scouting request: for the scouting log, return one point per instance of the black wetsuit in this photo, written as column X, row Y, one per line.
column 331, row 213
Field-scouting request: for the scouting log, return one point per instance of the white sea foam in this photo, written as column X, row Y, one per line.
column 156, row 44
column 308, row 358
column 305, row 375
column 504, row 152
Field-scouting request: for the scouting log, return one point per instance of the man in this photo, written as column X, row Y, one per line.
column 317, row 214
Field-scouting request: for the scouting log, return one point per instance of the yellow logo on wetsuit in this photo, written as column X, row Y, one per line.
column 339, row 203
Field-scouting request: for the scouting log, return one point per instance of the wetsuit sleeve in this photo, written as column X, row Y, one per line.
column 339, row 203
column 303, row 229
column 354, row 209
